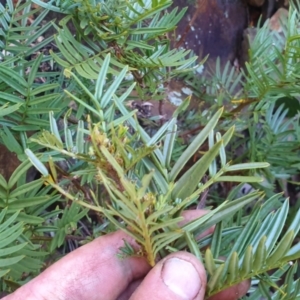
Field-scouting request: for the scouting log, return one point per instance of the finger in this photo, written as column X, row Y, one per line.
column 190, row 215
column 233, row 293
column 179, row 276
column 93, row 271
column 130, row 289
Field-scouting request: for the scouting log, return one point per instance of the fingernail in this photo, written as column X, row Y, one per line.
column 181, row 277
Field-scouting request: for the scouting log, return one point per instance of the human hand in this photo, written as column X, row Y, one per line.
column 94, row 271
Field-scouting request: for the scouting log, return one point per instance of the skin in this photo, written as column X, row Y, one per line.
column 94, row 272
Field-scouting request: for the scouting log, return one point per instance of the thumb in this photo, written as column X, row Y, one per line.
column 179, row 276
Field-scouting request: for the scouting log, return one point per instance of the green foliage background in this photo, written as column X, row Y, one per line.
column 64, row 109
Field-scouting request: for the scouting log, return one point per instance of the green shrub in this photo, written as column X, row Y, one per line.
column 65, row 110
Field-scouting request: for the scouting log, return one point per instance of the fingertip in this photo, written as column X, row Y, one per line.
column 179, row 276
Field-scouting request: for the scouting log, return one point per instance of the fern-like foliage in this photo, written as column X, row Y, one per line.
column 272, row 71
column 29, row 229
column 21, row 42
column 146, row 193
column 9, row 232
column 273, row 138
column 130, row 178
column 66, row 224
column 260, row 247
column 272, row 75
column 268, row 87
column 22, row 208
column 27, row 90
column 133, row 32
column 288, row 290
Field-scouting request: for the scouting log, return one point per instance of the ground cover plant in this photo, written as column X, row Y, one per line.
column 65, row 109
